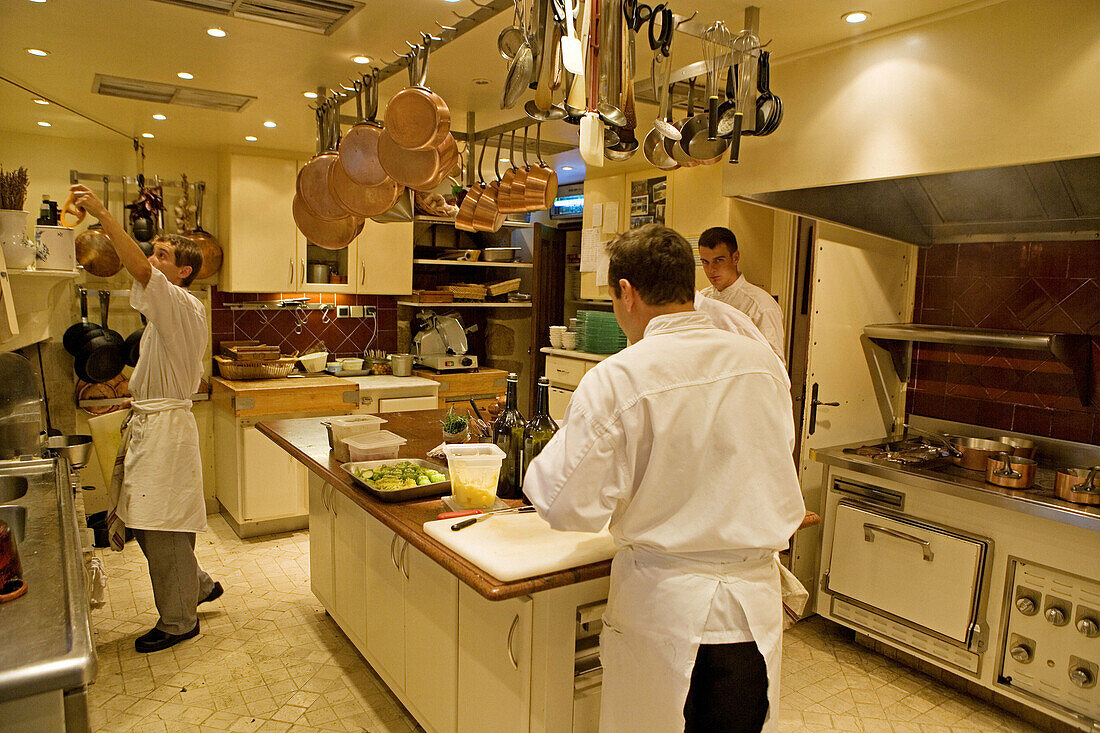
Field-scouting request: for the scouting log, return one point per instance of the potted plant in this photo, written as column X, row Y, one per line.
column 456, row 428
column 18, row 249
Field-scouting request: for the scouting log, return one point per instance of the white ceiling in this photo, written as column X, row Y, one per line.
column 153, row 41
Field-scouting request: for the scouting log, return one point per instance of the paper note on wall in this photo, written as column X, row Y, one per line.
column 590, row 244
column 595, row 214
column 611, row 217
column 601, row 264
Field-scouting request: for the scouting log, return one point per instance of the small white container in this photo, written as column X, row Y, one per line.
column 352, row 365
column 569, row 340
column 475, row 470
column 333, row 366
column 314, row 362
column 351, row 426
column 378, row 445
column 58, row 245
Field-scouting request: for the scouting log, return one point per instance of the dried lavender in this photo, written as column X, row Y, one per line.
column 13, row 189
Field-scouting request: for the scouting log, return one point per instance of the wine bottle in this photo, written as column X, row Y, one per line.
column 540, row 428
column 508, row 436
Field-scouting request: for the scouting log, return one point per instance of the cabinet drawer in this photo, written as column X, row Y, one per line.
column 564, row 372
column 559, row 400
column 405, row 404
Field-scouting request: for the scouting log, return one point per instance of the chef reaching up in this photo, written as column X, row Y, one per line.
column 157, row 487
column 683, row 441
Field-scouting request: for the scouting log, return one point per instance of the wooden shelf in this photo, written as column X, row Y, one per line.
column 444, row 220
column 464, row 263
column 463, row 305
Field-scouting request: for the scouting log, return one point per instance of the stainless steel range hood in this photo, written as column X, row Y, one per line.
column 1060, row 198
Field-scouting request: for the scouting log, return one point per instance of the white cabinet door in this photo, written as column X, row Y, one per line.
column 431, row 636
column 321, row 571
column 559, row 400
column 385, row 255
column 273, row 483
column 494, row 663
column 256, row 226
column 385, row 603
column 350, row 567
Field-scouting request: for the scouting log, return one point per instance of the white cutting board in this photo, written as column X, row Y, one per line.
column 514, row 546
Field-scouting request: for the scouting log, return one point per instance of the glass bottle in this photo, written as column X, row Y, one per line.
column 540, row 428
column 508, row 436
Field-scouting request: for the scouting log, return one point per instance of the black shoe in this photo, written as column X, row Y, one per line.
column 155, row 639
column 214, row 594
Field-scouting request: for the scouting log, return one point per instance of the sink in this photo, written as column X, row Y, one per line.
column 16, row 518
column 12, row 488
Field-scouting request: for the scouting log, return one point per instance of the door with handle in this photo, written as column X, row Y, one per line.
column 857, row 279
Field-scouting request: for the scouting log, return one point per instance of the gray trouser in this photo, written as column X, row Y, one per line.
column 178, row 581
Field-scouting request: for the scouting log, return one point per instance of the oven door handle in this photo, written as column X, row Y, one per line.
column 869, row 535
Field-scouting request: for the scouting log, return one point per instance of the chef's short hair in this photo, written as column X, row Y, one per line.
column 188, row 254
column 715, row 236
column 656, row 261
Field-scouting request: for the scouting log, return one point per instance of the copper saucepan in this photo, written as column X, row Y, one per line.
column 359, row 148
column 1020, row 446
column 211, row 250
column 94, row 250
column 358, row 199
column 464, row 219
column 487, row 215
column 312, row 184
column 1009, row 471
column 973, row 452
column 416, row 117
column 420, row 170
column 326, row 233
column 505, row 200
column 1079, row 485
column 541, row 184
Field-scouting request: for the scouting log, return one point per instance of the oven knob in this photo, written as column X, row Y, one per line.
column 1081, row 677
column 1088, row 627
column 1056, row 616
column 1025, row 605
column 1021, row 654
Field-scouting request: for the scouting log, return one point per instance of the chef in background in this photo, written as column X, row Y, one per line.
column 728, row 318
column 720, row 257
column 682, row 441
column 157, row 487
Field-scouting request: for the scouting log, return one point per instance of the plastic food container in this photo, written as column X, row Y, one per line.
column 475, row 469
column 351, row 365
column 342, row 428
column 314, row 362
column 377, row 445
column 333, row 366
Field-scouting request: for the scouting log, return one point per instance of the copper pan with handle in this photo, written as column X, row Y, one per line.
column 487, row 215
column 464, row 219
column 506, row 199
column 312, row 184
column 359, row 149
column 360, row 200
column 541, row 184
column 325, row 233
column 416, row 117
column 211, row 250
column 94, row 250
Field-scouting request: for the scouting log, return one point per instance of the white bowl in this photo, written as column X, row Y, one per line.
column 569, row 341
column 555, row 340
column 351, row 365
column 314, row 362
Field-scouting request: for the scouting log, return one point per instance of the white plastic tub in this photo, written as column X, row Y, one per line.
column 378, row 445
column 475, row 470
column 342, row 428
column 314, row 362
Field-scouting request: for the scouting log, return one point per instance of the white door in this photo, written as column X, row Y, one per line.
column 858, row 279
column 261, row 251
column 350, row 567
column 273, row 483
column 385, row 604
column 494, row 663
column 431, row 633
column 321, row 578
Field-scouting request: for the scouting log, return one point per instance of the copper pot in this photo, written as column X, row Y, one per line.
column 359, row 148
column 334, row 234
column 1009, row 471
column 94, row 250
column 541, row 184
column 464, row 219
column 416, row 117
column 360, row 200
column 420, row 170
column 211, row 250
column 973, row 452
column 1020, row 446
column 312, row 184
column 1079, row 485
column 487, row 216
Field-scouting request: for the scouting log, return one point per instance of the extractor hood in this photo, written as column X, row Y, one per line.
column 1061, row 197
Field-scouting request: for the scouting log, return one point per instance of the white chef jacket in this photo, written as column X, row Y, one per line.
column 728, row 318
column 757, row 304
column 683, row 441
column 162, row 483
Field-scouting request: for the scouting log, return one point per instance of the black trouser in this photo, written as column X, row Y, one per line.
column 729, row 690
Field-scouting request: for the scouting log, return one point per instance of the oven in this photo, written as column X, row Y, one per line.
column 587, row 670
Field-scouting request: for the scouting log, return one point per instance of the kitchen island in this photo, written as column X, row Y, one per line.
column 462, row 650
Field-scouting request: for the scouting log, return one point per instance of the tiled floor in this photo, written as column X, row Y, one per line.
column 269, row 659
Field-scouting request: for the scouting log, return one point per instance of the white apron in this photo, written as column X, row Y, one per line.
column 162, row 480
column 657, row 610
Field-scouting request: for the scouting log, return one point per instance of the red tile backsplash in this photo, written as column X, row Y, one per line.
column 343, row 337
column 1029, row 286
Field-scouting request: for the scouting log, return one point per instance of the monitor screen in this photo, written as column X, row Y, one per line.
column 568, row 207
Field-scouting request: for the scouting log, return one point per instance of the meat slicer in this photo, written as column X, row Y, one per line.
column 441, row 343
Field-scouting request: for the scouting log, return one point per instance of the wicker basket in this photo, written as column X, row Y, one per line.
column 272, row 370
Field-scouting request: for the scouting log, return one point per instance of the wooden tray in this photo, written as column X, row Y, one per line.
column 467, row 291
column 502, row 287
column 433, row 296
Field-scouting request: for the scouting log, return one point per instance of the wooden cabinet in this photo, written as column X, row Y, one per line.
column 494, row 663
column 264, row 251
column 322, row 573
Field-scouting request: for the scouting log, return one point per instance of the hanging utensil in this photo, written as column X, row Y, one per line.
column 571, row 55
column 591, row 138
column 542, row 99
column 416, row 117
column 696, row 138
column 611, row 65
column 505, row 201
column 672, row 147
column 541, row 185
column 211, row 250
column 94, row 250
column 512, row 38
column 627, row 144
column 653, row 147
column 520, row 69
column 746, row 53
column 769, row 107
column 358, row 154
column 312, row 183
column 464, row 219
column 487, row 215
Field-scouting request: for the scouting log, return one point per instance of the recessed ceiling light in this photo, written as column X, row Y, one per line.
column 37, row 52
column 147, row 135
column 38, row 1
column 251, row 138
column 567, row 167
column 269, row 123
column 216, row 32
column 40, row 101
column 481, row 82
column 44, row 124
column 450, row 1
column 159, row 116
column 503, row 160
column 360, row 59
column 856, row 16
column 185, row 75
column 309, row 95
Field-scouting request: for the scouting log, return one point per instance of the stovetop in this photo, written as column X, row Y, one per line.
column 908, row 452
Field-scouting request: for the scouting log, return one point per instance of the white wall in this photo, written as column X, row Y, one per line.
column 1013, row 82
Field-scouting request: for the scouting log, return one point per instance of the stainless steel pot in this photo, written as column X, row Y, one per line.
column 401, row 365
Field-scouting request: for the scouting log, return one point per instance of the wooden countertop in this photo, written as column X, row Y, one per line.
column 253, row 385
column 307, row 441
column 314, row 394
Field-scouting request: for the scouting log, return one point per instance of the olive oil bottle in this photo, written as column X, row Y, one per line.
column 508, row 436
column 540, row 428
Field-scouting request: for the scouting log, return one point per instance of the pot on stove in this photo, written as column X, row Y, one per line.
column 1010, row 472
column 1079, row 485
column 973, row 452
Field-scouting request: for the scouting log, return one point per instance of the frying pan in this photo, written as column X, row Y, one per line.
column 99, row 357
column 360, row 200
column 326, row 233
column 697, row 139
column 78, row 333
column 653, row 147
column 131, row 347
column 416, row 117
column 94, row 250
column 769, row 107
column 358, row 154
column 420, row 170
column 211, row 250
column 673, row 147
column 312, row 184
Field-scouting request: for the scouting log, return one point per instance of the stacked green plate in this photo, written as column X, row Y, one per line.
column 598, row 333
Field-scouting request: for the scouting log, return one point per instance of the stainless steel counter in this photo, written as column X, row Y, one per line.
column 950, row 479
column 47, row 633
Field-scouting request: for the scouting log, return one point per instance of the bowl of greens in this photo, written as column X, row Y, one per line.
column 400, row 480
